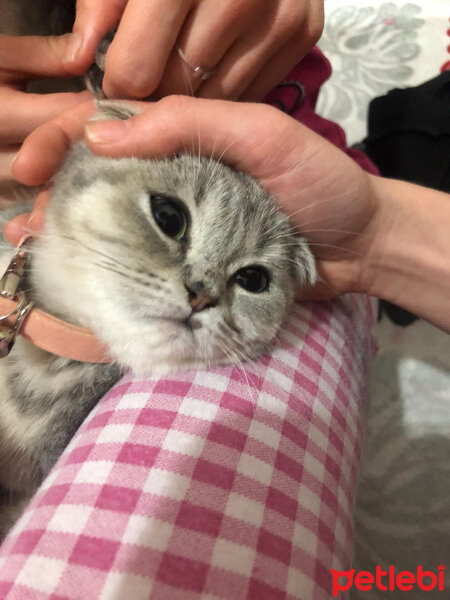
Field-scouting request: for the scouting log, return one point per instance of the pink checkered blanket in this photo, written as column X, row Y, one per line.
column 230, row 484
column 224, row 484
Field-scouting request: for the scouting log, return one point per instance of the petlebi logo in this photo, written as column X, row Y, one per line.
column 388, row 580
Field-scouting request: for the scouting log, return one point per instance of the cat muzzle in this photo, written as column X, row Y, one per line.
column 19, row 316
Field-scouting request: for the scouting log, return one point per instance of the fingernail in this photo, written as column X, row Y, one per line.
column 111, row 131
column 73, row 47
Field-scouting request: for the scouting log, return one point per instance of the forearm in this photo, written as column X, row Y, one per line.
column 409, row 261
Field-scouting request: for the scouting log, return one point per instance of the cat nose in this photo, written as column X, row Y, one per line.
column 198, row 297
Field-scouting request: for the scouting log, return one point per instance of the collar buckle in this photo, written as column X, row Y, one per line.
column 9, row 285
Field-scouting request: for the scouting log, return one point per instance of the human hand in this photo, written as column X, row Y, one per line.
column 23, row 59
column 251, row 44
column 328, row 196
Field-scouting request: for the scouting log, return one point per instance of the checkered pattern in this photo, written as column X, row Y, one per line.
column 227, row 484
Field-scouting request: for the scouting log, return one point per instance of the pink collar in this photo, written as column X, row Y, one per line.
column 17, row 315
column 52, row 334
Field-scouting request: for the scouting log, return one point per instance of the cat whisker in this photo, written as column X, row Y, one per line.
column 342, row 249
column 110, row 258
column 234, row 358
column 300, row 195
column 147, row 285
column 217, row 161
column 27, row 290
column 190, row 92
column 294, row 231
column 310, row 206
column 210, row 160
column 88, row 248
column 290, row 230
column 253, row 398
column 345, row 231
column 238, row 337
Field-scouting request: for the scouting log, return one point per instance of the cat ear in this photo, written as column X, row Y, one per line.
column 305, row 263
column 108, row 110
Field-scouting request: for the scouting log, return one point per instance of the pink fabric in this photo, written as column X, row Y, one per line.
column 312, row 72
column 226, row 484
column 230, row 484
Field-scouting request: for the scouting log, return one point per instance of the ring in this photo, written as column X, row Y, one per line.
column 199, row 72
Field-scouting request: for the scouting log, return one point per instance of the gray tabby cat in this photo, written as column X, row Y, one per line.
column 174, row 264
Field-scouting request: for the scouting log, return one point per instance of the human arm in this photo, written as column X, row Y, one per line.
column 410, row 264
column 371, row 235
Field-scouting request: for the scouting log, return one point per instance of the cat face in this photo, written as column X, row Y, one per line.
column 173, row 263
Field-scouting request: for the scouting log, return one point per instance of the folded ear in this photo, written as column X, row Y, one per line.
column 108, row 110
column 93, row 78
column 305, row 263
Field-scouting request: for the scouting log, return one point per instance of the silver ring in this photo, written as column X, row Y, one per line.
column 199, row 72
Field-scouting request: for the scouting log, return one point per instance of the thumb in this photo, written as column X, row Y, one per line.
column 26, row 57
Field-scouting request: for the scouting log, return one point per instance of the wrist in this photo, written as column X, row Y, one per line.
column 377, row 264
column 408, row 262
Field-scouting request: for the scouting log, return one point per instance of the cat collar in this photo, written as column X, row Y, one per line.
column 18, row 316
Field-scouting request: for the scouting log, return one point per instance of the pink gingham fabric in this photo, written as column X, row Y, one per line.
column 229, row 484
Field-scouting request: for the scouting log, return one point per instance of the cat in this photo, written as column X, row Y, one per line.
column 174, row 264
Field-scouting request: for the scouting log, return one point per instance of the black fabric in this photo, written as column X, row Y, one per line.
column 409, row 139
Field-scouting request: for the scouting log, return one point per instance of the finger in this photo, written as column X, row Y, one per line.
column 7, row 155
column 25, row 57
column 27, row 223
column 273, row 72
column 36, row 219
column 320, row 291
column 252, row 137
column 222, row 23
column 32, row 166
column 276, row 69
column 22, row 112
column 136, row 59
column 266, row 56
column 15, row 230
column 335, row 277
column 237, row 68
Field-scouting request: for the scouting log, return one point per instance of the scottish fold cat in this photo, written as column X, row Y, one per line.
column 175, row 264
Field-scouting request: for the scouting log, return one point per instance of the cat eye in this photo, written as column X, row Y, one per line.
column 169, row 216
column 252, row 279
